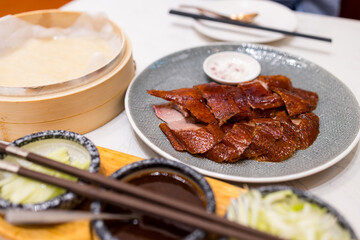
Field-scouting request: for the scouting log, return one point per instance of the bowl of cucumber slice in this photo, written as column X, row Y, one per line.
column 60, row 145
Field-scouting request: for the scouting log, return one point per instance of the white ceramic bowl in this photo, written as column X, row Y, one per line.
column 231, row 67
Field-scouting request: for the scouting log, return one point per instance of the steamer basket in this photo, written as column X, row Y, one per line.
column 79, row 105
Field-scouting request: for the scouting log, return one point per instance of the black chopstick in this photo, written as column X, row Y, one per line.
column 130, row 191
column 222, row 226
column 248, row 25
column 124, row 200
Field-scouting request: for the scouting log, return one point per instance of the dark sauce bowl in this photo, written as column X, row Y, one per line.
column 68, row 199
column 164, row 177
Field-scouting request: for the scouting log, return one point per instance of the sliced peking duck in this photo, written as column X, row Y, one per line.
column 265, row 119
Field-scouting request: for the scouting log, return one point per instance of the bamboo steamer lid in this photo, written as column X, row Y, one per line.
column 80, row 108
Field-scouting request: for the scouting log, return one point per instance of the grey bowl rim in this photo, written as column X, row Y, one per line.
column 67, row 196
column 99, row 226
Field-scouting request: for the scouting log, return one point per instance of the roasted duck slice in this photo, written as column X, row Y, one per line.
column 297, row 101
column 266, row 132
column 267, row 113
column 194, row 141
column 260, row 97
column 168, row 112
column 177, row 145
column 175, row 117
column 275, row 81
column 269, row 144
column 232, row 146
column 222, row 105
column 266, row 119
column 289, row 142
column 189, row 98
column 290, row 130
column 308, row 128
column 311, row 97
column 240, row 99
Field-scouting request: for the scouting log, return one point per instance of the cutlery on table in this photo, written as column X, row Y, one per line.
column 25, row 217
column 248, row 25
column 243, row 17
column 131, row 197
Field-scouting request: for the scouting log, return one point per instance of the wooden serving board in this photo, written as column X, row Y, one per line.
column 110, row 161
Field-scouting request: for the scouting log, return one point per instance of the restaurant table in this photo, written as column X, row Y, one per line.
column 154, row 34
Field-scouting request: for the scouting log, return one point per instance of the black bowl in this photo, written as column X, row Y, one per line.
column 163, row 164
column 68, row 199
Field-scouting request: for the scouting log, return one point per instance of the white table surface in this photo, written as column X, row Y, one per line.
column 154, row 34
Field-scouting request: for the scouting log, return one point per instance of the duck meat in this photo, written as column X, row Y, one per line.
column 240, row 99
column 265, row 119
column 195, row 141
column 275, row 81
column 232, row 146
column 189, row 98
column 308, row 128
column 297, row 101
column 221, row 104
column 260, row 97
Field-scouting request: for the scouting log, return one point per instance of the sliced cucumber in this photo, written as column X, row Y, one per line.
column 22, row 190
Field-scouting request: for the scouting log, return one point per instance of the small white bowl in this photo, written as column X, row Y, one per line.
column 231, row 67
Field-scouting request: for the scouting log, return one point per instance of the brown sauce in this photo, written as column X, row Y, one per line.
column 166, row 183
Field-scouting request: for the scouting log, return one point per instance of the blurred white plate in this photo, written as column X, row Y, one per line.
column 271, row 14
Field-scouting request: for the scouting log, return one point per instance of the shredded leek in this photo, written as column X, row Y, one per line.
column 286, row 215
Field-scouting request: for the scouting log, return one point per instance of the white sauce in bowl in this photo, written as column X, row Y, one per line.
column 231, row 67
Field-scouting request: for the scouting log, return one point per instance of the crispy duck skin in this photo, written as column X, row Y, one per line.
column 296, row 101
column 189, row 98
column 308, row 128
column 240, row 99
column 232, row 146
column 260, row 97
column 273, row 148
column 257, row 113
column 289, row 142
column 221, row 104
column 194, row 141
column 266, row 132
column 290, row 130
column 265, row 119
column 276, row 81
column 311, row 97
column 178, row 146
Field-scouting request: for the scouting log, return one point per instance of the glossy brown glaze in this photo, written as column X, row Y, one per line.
column 166, row 183
column 265, row 119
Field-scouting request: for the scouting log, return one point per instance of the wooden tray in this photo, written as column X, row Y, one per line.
column 110, row 161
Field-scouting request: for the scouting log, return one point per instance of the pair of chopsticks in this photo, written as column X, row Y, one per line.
column 248, row 25
column 129, row 196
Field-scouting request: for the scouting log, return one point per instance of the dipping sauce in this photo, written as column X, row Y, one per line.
column 167, row 183
column 229, row 70
column 231, row 67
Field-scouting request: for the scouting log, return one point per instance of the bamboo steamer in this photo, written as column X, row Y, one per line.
column 80, row 108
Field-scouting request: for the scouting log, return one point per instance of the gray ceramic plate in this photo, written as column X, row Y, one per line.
column 338, row 110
